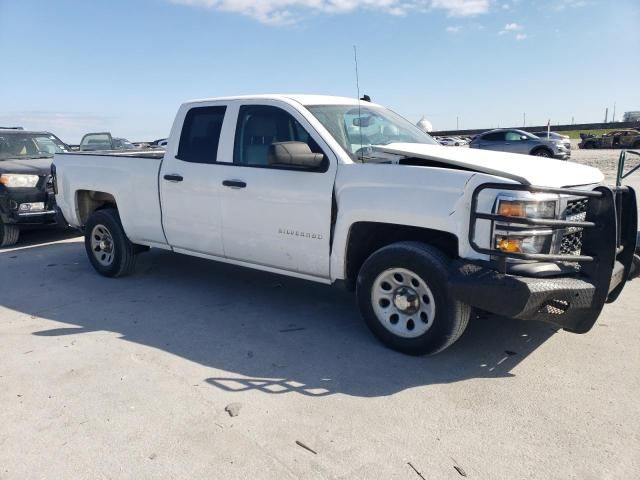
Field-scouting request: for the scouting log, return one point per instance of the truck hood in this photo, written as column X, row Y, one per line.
column 525, row 169
column 28, row 166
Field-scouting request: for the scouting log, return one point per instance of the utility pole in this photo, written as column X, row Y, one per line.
column 613, row 117
column 457, row 123
column 606, row 115
column 524, row 119
column 573, row 122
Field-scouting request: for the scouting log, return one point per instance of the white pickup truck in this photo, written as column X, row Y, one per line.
column 337, row 190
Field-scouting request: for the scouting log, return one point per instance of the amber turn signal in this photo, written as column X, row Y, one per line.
column 510, row 245
column 511, row 209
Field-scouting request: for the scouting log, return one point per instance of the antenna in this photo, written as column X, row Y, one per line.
column 355, row 58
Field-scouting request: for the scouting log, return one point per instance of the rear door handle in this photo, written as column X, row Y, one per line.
column 234, row 183
column 173, row 177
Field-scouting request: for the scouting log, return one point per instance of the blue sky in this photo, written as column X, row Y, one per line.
column 125, row 65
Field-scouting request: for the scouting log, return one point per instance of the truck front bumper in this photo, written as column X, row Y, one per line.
column 574, row 297
column 572, row 303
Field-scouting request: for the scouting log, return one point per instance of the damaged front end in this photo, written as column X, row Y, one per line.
column 588, row 260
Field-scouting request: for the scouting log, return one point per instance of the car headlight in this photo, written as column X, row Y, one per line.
column 515, row 237
column 12, row 180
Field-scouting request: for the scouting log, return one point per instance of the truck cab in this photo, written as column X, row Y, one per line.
column 339, row 190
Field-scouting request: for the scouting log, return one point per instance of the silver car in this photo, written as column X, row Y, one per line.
column 518, row 141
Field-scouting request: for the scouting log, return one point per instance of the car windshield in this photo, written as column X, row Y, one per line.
column 358, row 128
column 29, row 145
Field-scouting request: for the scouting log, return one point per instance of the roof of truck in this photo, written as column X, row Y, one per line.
column 300, row 98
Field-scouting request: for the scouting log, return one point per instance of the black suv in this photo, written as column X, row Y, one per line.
column 26, row 193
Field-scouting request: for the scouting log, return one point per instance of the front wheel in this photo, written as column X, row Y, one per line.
column 403, row 295
column 108, row 248
column 542, row 152
column 8, row 234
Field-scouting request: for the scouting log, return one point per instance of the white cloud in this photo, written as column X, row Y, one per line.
column 454, row 29
column 512, row 27
column 282, row 12
column 563, row 4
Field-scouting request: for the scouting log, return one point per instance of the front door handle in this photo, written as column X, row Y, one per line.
column 234, row 183
column 173, row 177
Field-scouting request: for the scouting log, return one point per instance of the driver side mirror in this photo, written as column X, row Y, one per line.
column 524, row 137
column 297, row 154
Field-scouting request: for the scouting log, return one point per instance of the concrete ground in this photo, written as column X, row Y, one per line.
column 130, row 378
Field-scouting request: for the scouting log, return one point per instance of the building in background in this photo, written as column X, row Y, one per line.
column 631, row 117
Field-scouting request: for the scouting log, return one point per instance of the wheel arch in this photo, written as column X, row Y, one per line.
column 539, row 148
column 88, row 201
column 366, row 237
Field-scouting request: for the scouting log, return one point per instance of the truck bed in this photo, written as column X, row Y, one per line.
column 131, row 177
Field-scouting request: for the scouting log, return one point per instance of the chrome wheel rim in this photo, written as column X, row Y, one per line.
column 403, row 302
column 102, row 245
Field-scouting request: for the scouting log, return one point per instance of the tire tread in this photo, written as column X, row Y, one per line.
column 9, row 235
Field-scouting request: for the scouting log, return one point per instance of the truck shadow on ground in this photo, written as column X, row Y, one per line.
column 270, row 333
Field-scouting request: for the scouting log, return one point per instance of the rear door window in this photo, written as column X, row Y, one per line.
column 200, row 135
column 494, row 137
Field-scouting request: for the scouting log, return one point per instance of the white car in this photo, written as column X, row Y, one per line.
column 338, row 191
column 450, row 141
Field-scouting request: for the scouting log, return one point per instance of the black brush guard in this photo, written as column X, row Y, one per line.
column 572, row 301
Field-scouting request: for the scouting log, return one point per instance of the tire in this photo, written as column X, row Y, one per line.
column 425, row 319
column 542, row 152
column 8, row 234
column 108, row 248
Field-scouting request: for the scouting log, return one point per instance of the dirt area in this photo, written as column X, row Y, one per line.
column 605, row 160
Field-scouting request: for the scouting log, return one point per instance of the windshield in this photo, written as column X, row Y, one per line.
column 29, row 145
column 357, row 128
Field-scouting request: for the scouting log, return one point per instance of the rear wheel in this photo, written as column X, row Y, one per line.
column 109, row 250
column 8, row 234
column 404, row 298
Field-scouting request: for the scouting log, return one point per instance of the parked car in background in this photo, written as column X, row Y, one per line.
column 160, row 143
column 627, row 138
column 519, row 141
column 104, row 141
column 460, row 140
column 554, row 136
column 26, row 194
column 449, row 141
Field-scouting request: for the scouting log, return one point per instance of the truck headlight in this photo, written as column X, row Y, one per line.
column 515, row 237
column 12, row 180
column 526, row 208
